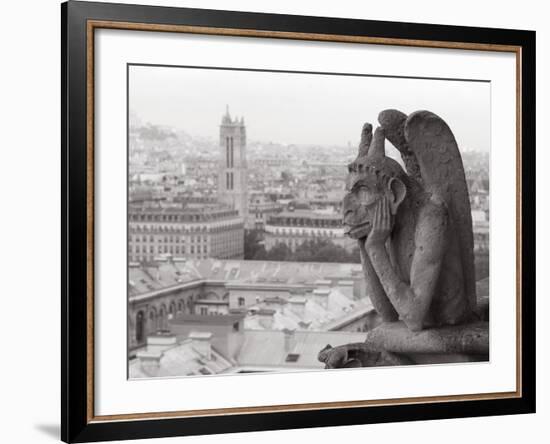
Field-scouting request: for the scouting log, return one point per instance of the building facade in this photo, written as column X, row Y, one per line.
column 233, row 171
column 260, row 209
column 193, row 231
column 293, row 228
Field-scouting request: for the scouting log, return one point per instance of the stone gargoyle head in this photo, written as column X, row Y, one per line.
column 371, row 176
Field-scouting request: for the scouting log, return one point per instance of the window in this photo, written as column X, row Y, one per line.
column 231, row 152
column 292, row 357
column 204, row 311
column 227, row 155
column 241, row 302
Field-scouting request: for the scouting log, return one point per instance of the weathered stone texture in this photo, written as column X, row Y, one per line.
column 414, row 231
column 397, row 338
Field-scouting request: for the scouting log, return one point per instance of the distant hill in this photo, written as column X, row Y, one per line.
column 156, row 133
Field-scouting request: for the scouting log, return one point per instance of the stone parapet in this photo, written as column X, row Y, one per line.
column 394, row 344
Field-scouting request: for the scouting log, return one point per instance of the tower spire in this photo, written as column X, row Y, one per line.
column 226, row 119
column 232, row 182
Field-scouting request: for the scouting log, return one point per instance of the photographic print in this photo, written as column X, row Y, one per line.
column 292, row 221
column 297, row 221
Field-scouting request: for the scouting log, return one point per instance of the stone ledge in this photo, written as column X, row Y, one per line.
column 395, row 337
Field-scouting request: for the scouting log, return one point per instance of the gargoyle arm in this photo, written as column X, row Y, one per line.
column 412, row 302
column 374, row 288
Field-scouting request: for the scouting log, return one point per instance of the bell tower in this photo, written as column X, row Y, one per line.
column 232, row 180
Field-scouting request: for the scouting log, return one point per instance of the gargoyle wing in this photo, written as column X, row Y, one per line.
column 432, row 142
column 393, row 123
column 431, row 156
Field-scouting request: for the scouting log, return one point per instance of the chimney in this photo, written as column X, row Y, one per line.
column 290, row 340
column 274, row 301
column 266, row 317
column 298, row 305
column 150, row 362
column 321, row 295
column 157, row 343
column 346, row 287
column 201, row 341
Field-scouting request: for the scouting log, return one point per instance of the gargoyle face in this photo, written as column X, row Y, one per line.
column 371, row 177
column 358, row 209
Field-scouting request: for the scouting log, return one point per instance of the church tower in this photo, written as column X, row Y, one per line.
column 232, row 181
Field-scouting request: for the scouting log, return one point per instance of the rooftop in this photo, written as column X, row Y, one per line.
column 178, row 272
column 307, row 214
column 261, row 351
column 270, row 348
column 183, row 359
column 309, row 313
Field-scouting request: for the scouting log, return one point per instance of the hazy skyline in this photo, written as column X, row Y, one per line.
column 297, row 108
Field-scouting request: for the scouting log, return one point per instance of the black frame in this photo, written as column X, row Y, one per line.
column 75, row 424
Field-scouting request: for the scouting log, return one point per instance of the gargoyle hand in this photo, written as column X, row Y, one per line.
column 381, row 226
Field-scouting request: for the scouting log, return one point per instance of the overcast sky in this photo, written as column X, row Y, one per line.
column 302, row 108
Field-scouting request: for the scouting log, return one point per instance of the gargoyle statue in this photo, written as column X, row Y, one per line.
column 414, row 228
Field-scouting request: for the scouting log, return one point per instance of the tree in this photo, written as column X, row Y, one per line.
column 253, row 244
column 355, row 255
column 326, row 251
column 279, row 252
column 260, row 254
column 323, row 250
column 286, row 176
column 481, row 261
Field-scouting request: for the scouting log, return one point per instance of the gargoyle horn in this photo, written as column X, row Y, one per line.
column 377, row 148
column 366, row 139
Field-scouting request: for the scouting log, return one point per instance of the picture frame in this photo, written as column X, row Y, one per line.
column 80, row 21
